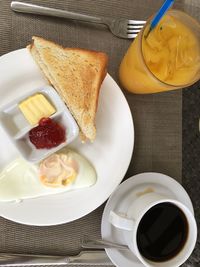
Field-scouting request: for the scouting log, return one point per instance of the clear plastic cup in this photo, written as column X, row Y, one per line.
column 167, row 59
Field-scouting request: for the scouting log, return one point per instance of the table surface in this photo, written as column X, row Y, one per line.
column 166, row 124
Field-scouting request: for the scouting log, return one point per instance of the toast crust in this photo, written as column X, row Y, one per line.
column 77, row 75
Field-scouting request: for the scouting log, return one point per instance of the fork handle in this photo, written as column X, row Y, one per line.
column 40, row 10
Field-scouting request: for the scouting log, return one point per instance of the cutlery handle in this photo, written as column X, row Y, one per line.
column 101, row 244
column 40, row 10
column 86, row 257
column 7, row 259
column 91, row 245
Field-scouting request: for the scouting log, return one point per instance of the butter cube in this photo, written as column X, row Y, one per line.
column 35, row 108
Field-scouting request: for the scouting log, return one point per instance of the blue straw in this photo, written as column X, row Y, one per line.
column 167, row 4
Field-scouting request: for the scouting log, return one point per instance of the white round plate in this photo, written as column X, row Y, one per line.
column 120, row 200
column 110, row 154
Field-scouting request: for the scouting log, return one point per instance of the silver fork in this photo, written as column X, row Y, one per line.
column 122, row 28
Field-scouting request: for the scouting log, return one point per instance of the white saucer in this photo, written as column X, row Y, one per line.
column 119, row 202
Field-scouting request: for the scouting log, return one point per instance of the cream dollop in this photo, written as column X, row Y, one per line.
column 58, row 170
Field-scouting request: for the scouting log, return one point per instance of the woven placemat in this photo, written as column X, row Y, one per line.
column 157, row 118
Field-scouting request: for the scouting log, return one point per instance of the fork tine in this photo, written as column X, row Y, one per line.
column 131, row 36
column 135, row 26
column 130, row 21
column 133, row 31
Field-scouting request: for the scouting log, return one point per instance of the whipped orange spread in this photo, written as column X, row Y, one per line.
column 58, row 170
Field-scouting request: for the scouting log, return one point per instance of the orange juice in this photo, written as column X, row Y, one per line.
column 168, row 58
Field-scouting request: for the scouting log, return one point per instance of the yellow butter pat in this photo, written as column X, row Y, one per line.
column 35, row 108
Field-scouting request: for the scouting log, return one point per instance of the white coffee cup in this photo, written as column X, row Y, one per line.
column 129, row 223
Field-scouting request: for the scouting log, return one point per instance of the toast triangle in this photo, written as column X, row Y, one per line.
column 77, row 75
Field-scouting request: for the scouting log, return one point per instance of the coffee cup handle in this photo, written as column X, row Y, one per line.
column 121, row 221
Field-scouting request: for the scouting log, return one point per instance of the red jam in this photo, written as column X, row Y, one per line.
column 47, row 134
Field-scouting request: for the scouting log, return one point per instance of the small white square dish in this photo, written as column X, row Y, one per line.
column 18, row 128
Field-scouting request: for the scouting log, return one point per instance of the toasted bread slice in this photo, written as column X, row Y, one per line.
column 77, row 75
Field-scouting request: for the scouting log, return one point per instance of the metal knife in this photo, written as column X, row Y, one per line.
column 85, row 257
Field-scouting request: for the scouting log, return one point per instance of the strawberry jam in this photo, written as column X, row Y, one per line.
column 47, row 134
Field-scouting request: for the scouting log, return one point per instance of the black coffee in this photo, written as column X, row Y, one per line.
column 162, row 232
